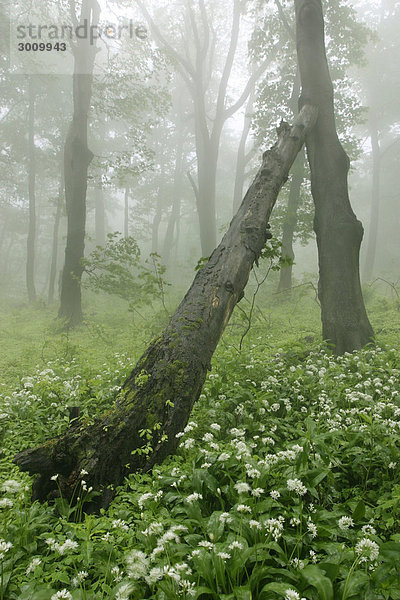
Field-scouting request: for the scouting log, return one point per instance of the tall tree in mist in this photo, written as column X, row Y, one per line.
column 77, row 158
column 282, row 80
column 382, row 87
column 31, row 240
column 196, row 62
column 344, row 320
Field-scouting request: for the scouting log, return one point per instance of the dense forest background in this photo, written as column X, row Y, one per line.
column 154, row 178
column 216, row 447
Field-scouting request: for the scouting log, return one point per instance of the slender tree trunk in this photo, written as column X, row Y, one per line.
column 290, row 223
column 126, row 211
column 290, row 220
column 242, row 157
column 100, row 216
column 345, row 323
column 176, row 202
column 156, row 222
column 206, row 181
column 77, row 158
column 161, row 390
column 375, row 200
column 56, row 228
column 30, row 246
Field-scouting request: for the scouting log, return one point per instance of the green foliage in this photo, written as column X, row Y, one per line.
column 285, row 484
column 117, row 269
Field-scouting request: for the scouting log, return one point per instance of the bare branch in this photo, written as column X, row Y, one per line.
column 186, row 68
column 247, row 90
column 229, row 61
column 285, row 22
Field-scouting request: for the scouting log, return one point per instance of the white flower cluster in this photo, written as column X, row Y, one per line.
column 296, row 485
column 61, row 548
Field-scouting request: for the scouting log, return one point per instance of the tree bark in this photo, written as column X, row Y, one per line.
column 290, row 222
column 339, row 234
column 77, row 158
column 160, row 392
column 31, row 240
column 54, row 251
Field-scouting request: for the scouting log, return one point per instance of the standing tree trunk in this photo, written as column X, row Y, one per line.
column 345, row 324
column 161, row 390
column 243, row 157
column 290, row 222
column 30, row 245
column 375, row 200
column 156, row 222
column 100, row 216
column 176, row 201
column 77, row 158
column 126, row 211
column 54, row 251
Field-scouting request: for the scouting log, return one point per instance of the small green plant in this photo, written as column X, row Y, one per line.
column 118, row 269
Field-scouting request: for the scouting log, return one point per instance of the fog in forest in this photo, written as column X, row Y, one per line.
column 183, row 103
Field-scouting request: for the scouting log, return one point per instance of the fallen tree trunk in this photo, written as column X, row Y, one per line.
column 159, row 394
column 345, row 324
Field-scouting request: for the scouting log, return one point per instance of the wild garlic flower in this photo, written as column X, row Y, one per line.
column 345, row 523
column 242, row 487
column 367, row 550
column 243, row 508
column 193, row 497
column 236, row 545
column 35, row 562
column 62, row 595
column 296, row 485
column 368, row 530
column 274, row 527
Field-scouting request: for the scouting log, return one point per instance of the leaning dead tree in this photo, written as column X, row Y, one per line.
column 345, row 324
column 159, row 394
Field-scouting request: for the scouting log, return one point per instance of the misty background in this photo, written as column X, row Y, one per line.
column 184, row 113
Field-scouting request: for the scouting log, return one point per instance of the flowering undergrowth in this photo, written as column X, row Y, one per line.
column 285, row 485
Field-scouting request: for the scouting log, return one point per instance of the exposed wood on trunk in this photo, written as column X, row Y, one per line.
column 161, row 390
column 77, row 158
column 31, row 240
column 345, row 323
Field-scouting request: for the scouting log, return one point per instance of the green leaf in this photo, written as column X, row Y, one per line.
column 203, row 590
column 390, row 551
column 278, row 588
column 359, row 511
column 316, row 578
column 242, row 593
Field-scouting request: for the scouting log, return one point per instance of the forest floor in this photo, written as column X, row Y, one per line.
column 286, row 483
